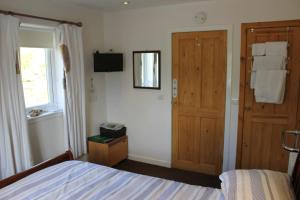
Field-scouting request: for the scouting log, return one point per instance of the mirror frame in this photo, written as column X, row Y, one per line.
column 159, row 70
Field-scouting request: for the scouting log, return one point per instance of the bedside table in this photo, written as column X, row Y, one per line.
column 108, row 154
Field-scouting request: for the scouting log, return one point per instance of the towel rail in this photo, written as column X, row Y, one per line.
column 285, row 29
column 294, row 133
column 252, row 59
column 250, row 71
column 288, row 44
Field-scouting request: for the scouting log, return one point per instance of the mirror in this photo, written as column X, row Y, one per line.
column 146, row 69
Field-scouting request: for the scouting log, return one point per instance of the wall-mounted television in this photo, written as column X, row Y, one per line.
column 108, row 62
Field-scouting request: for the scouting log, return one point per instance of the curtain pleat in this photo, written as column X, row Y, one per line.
column 70, row 43
column 15, row 155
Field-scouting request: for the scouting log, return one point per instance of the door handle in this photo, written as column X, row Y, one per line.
column 175, row 88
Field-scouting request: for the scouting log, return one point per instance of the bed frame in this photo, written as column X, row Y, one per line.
column 296, row 178
column 59, row 159
column 69, row 156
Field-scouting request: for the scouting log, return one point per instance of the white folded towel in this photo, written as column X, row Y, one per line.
column 259, row 49
column 276, row 48
column 270, row 86
column 266, row 63
column 269, row 62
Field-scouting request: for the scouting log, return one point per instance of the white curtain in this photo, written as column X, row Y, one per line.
column 70, row 41
column 15, row 155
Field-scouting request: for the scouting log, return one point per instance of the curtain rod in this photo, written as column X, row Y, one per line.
column 42, row 18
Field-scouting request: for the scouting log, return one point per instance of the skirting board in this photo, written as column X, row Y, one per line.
column 148, row 160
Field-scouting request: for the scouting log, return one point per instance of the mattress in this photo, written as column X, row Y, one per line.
column 81, row 180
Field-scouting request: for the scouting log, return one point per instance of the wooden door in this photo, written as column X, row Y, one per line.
column 199, row 66
column 298, row 112
column 260, row 124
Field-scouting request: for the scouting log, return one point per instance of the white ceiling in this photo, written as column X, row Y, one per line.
column 110, row 5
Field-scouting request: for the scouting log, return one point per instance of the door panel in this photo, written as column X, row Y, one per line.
column 263, row 123
column 208, row 134
column 199, row 65
column 188, row 73
column 187, row 127
column 264, row 146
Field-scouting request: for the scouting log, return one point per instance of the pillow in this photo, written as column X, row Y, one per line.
column 256, row 185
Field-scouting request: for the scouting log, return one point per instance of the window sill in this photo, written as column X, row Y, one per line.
column 45, row 116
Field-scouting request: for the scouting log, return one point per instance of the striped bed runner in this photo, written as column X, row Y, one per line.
column 81, row 180
column 256, row 185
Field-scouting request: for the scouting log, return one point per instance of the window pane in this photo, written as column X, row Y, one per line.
column 34, row 76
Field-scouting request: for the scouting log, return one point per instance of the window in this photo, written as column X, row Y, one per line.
column 36, row 76
column 38, row 72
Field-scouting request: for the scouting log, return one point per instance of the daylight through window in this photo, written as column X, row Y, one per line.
column 35, row 76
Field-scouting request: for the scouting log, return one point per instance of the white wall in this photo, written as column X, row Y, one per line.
column 147, row 113
column 46, row 136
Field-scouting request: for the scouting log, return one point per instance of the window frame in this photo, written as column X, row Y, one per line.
column 51, row 106
column 55, row 104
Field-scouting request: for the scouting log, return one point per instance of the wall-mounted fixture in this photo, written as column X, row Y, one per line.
column 146, row 69
column 200, row 17
column 108, row 62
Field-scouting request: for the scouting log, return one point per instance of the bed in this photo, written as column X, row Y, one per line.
column 68, row 179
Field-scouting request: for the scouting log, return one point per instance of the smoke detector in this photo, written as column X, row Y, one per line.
column 200, row 17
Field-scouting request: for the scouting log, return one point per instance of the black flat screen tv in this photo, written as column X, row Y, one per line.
column 108, row 62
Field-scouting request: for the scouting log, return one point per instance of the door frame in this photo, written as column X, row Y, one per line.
column 227, row 136
column 242, row 84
